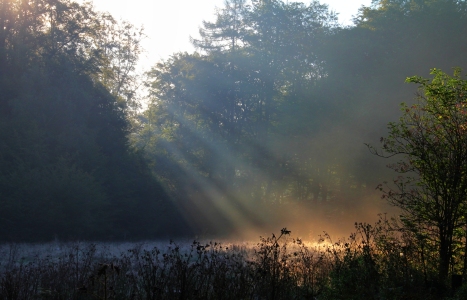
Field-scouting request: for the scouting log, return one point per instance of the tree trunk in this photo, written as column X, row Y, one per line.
column 443, row 261
column 445, row 251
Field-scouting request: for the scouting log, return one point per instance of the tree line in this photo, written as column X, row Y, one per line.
column 267, row 118
column 67, row 93
column 277, row 103
column 275, row 108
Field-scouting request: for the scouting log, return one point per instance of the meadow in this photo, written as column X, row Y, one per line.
column 375, row 262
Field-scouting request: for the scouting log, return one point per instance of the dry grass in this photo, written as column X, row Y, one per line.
column 374, row 263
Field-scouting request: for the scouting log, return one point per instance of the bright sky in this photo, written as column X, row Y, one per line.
column 169, row 23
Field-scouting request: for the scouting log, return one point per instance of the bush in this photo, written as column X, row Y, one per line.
column 376, row 262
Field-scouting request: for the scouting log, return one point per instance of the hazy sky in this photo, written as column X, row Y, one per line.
column 169, row 23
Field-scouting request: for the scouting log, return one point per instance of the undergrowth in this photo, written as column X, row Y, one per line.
column 375, row 262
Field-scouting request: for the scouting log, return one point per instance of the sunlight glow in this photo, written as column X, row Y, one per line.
column 169, row 24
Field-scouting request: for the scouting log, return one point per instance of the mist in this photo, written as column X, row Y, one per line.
column 264, row 126
column 260, row 166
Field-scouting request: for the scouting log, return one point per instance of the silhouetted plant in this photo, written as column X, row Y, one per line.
column 375, row 262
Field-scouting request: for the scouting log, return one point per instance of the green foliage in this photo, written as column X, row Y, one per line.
column 355, row 271
column 431, row 138
column 226, row 112
column 65, row 166
column 280, row 100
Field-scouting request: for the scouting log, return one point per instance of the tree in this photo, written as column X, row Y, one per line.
column 226, row 32
column 119, row 47
column 66, row 168
column 431, row 137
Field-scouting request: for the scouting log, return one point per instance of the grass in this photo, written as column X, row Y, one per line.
column 373, row 263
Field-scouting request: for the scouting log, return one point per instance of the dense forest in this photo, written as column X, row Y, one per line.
column 275, row 120
column 67, row 170
column 266, row 124
column 263, row 126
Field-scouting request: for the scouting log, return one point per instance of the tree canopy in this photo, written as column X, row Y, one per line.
column 264, row 124
column 430, row 137
column 66, row 169
column 276, row 106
